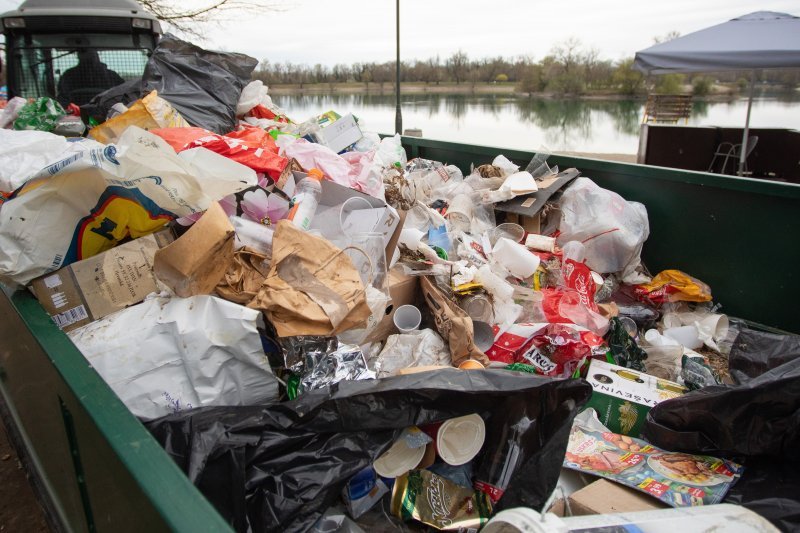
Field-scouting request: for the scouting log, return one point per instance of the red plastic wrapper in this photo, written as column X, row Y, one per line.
column 556, row 350
column 578, row 277
column 252, row 147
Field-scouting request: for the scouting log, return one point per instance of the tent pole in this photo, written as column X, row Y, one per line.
column 746, row 133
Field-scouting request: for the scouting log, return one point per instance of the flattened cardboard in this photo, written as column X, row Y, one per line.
column 93, row 288
column 522, row 205
column 196, row 262
column 605, row 497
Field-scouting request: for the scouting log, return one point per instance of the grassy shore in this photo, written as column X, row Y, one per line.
column 466, row 88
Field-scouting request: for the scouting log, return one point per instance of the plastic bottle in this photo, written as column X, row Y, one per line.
column 306, row 199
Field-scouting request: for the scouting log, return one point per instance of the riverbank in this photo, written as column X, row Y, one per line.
column 449, row 88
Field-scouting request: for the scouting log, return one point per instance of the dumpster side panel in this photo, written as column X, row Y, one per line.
column 739, row 235
column 100, row 466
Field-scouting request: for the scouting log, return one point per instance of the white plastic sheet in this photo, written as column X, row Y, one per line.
column 166, row 355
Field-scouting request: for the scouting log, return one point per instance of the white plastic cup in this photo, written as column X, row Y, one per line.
column 459, row 212
column 716, row 325
column 459, row 440
column 688, row 336
column 517, row 259
column 540, row 243
column 407, row 318
column 398, row 459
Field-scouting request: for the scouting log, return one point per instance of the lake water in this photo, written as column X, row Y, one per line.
column 531, row 124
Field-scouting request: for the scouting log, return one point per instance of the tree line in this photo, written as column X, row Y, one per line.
column 569, row 69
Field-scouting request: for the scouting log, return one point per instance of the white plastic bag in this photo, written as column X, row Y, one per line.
column 165, row 355
column 612, row 229
column 24, row 153
column 420, row 348
column 87, row 203
column 11, row 111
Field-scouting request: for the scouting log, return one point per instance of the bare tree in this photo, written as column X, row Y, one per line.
column 189, row 17
column 458, row 65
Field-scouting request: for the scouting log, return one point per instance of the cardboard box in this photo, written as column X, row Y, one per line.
column 622, row 397
column 604, row 497
column 98, row 286
column 404, row 291
column 340, row 134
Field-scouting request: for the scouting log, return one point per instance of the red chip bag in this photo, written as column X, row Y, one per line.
column 556, row 350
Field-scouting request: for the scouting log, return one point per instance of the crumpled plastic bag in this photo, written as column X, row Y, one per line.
column 89, row 202
column 41, row 114
column 164, row 355
column 24, row 153
column 624, row 349
column 11, row 111
column 203, row 85
column 673, row 286
column 279, row 467
column 252, row 147
column 312, row 155
column 149, row 113
column 612, row 229
column 419, row 348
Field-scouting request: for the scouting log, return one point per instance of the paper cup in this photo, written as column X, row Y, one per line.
column 688, row 336
column 471, row 364
column 483, row 335
column 460, row 439
column 459, row 212
column 407, row 318
column 540, row 243
column 398, row 459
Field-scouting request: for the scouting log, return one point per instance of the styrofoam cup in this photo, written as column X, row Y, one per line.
column 517, row 259
column 398, row 459
column 407, row 318
column 688, row 336
column 460, row 439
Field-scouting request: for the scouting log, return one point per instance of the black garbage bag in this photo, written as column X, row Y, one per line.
column 760, row 417
column 758, row 421
column 204, row 86
column 279, row 467
column 99, row 106
column 770, row 487
column 755, row 352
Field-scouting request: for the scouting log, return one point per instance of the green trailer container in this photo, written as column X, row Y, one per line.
column 98, row 469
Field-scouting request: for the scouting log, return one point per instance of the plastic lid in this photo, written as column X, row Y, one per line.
column 316, row 174
column 460, row 439
column 398, row 459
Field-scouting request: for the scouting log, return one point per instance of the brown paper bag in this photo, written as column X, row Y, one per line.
column 312, row 287
column 244, row 277
column 453, row 324
column 198, row 259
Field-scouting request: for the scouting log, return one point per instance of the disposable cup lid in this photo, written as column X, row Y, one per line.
column 398, row 459
column 460, row 439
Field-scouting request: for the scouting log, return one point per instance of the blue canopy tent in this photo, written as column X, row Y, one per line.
column 760, row 40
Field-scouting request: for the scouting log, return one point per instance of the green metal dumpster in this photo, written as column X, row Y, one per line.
column 98, row 469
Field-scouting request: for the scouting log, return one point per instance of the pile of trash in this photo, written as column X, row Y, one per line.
column 326, row 335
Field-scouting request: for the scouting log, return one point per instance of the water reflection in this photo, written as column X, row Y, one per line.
column 527, row 123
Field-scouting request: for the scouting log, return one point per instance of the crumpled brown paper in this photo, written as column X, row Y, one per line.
column 453, row 324
column 244, row 277
column 312, row 287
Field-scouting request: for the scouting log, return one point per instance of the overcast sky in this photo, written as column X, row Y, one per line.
column 347, row 31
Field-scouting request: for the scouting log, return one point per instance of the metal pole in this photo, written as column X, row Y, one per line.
column 746, row 133
column 398, row 117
